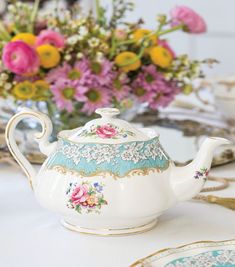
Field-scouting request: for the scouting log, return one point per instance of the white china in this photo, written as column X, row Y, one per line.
column 109, row 178
column 223, row 90
column 202, row 253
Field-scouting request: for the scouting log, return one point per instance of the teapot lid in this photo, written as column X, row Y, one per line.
column 108, row 129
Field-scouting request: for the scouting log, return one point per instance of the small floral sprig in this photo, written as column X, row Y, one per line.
column 106, row 131
column 86, row 197
column 203, row 173
column 76, row 65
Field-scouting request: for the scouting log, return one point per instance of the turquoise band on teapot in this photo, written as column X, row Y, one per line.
column 118, row 160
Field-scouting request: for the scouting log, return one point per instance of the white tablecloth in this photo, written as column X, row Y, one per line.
column 33, row 237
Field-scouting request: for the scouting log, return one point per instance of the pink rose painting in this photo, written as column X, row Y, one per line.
column 106, row 131
column 80, row 194
column 184, row 15
column 87, row 197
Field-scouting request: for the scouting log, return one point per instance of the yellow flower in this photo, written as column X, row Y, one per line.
column 42, row 89
column 92, row 200
column 139, row 34
column 24, row 90
column 49, row 56
column 128, row 61
column 28, row 38
column 160, row 56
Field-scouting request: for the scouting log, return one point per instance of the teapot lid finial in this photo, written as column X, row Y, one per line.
column 107, row 112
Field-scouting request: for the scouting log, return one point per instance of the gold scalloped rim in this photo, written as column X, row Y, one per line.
column 82, row 174
column 143, row 260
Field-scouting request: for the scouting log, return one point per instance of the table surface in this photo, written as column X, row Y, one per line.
column 31, row 236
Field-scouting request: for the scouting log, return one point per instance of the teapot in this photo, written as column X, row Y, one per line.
column 108, row 177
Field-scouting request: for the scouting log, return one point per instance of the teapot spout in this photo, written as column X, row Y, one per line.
column 188, row 181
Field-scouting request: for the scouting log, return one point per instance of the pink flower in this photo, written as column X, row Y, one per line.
column 164, row 43
column 148, row 78
column 120, row 34
column 80, row 194
column 79, row 72
column 20, row 58
column 50, row 37
column 97, row 97
column 66, row 91
column 194, row 22
column 106, row 131
column 120, row 86
column 102, row 71
column 151, row 87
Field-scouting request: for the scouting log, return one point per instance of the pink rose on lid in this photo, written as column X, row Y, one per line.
column 194, row 22
column 20, row 58
column 50, row 37
column 80, row 194
column 106, row 131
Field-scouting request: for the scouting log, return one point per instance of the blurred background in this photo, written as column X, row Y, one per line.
column 218, row 42
column 187, row 115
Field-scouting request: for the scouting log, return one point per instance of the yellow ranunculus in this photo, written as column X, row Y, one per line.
column 139, row 34
column 28, row 38
column 24, row 90
column 128, row 61
column 160, row 56
column 42, row 89
column 49, row 56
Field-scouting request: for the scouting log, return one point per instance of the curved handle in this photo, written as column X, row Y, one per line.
column 42, row 138
column 209, row 85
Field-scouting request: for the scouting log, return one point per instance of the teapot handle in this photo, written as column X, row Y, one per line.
column 42, row 138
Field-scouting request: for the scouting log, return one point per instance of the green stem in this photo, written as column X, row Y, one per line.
column 97, row 6
column 3, row 32
column 135, row 59
column 34, row 15
column 113, row 47
column 131, row 41
column 157, row 33
column 173, row 29
column 50, row 109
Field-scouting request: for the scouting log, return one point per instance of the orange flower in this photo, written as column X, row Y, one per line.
column 128, row 61
column 42, row 89
column 139, row 34
column 27, row 38
column 49, row 56
column 160, row 56
column 24, row 90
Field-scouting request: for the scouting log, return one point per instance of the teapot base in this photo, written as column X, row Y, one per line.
column 111, row 232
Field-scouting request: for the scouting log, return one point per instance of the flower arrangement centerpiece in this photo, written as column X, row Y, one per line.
column 74, row 64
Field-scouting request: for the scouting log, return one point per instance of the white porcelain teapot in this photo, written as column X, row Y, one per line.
column 108, row 177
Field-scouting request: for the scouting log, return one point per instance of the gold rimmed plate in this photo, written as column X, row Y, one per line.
column 202, row 253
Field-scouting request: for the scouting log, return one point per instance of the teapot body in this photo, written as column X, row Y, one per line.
column 77, row 182
column 109, row 178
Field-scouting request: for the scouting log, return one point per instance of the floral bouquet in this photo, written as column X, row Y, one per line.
column 73, row 64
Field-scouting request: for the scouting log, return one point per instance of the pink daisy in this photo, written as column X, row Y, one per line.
column 120, row 86
column 148, row 78
column 102, row 71
column 79, row 72
column 164, row 98
column 66, row 91
column 151, row 87
column 97, row 97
